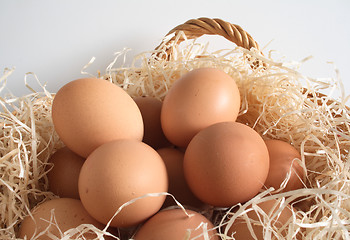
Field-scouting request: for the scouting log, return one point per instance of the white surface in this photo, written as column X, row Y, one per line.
column 55, row 39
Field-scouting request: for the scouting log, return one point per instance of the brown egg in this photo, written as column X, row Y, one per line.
column 200, row 98
column 240, row 230
column 174, row 224
column 63, row 177
column 89, row 112
column 282, row 162
column 150, row 110
column 226, row 163
column 120, row 171
column 173, row 160
column 68, row 213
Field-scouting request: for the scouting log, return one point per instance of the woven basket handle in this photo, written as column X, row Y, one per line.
column 195, row 28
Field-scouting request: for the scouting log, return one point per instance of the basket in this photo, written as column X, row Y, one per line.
column 275, row 103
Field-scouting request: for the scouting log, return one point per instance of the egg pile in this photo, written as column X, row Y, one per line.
column 120, row 149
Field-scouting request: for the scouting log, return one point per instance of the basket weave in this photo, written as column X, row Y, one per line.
column 195, row 28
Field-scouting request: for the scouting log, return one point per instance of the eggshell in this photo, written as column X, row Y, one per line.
column 89, row 112
column 226, row 163
column 240, row 230
column 198, row 99
column 63, row 177
column 174, row 224
column 120, row 171
column 282, row 162
column 150, row 108
column 68, row 213
column 178, row 187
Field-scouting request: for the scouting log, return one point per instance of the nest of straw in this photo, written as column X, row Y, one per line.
column 277, row 101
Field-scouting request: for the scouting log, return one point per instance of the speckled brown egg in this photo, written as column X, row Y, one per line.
column 68, row 213
column 173, row 159
column 197, row 100
column 284, row 160
column 226, row 163
column 89, row 112
column 279, row 215
column 64, row 175
column 150, row 108
column 174, row 224
column 120, row 171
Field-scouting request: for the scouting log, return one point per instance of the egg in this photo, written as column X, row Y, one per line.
column 89, row 112
column 150, row 108
column 198, row 99
column 178, row 187
column 284, row 160
column 272, row 208
column 174, row 224
column 226, row 163
column 120, row 171
column 64, row 175
column 68, row 213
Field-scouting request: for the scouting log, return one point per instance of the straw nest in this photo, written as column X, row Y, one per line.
column 277, row 101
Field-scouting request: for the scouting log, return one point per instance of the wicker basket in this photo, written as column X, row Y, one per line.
column 322, row 208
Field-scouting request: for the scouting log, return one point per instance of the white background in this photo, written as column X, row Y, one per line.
column 55, row 39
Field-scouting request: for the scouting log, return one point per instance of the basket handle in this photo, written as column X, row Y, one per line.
column 195, row 28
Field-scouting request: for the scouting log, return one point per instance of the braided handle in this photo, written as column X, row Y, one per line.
column 195, row 28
